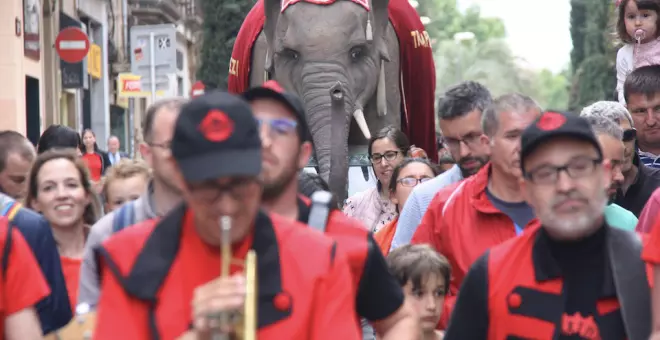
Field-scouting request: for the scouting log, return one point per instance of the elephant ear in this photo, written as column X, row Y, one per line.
column 272, row 9
column 380, row 17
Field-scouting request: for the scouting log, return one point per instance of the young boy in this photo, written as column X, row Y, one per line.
column 424, row 275
column 124, row 182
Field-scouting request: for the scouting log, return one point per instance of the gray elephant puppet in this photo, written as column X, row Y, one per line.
column 358, row 66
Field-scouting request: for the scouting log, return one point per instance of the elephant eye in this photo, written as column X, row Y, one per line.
column 357, row 52
column 290, row 54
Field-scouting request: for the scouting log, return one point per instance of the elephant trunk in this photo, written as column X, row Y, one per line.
column 337, row 180
column 329, row 117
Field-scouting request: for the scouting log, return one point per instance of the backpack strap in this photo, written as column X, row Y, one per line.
column 6, row 250
column 124, row 217
column 9, row 210
column 631, row 282
column 319, row 210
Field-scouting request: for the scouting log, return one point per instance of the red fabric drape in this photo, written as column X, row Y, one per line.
column 417, row 69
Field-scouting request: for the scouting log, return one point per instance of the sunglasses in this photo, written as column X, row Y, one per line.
column 629, row 135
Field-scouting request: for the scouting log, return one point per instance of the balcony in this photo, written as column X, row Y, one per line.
column 192, row 13
column 153, row 12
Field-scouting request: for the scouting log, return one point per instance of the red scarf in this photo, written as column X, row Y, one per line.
column 417, row 69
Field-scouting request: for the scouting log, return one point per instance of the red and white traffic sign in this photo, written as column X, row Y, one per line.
column 72, row 45
column 197, row 89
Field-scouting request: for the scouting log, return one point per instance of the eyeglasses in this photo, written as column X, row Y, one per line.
column 577, row 168
column 471, row 140
column 278, row 126
column 412, row 181
column 629, row 135
column 164, row 145
column 388, row 155
column 210, row 191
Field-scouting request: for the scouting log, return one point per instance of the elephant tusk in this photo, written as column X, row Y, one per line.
column 362, row 123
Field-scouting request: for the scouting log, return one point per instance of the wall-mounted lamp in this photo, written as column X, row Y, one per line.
column 17, row 27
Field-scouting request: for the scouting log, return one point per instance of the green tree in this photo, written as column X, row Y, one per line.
column 222, row 21
column 593, row 55
column 551, row 90
column 490, row 62
column 447, row 20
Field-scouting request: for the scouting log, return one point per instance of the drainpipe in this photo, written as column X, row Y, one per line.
column 124, row 10
column 130, row 116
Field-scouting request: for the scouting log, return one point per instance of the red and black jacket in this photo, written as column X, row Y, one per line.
column 379, row 294
column 517, row 291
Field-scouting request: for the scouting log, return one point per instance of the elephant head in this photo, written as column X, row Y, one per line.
column 316, row 50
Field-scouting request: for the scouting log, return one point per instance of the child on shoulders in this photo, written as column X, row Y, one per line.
column 637, row 27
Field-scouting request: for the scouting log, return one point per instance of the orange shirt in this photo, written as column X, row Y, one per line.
column 385, row 236
column 23, row 284
column 71, row 271
column 94, row 165
column 305, row 287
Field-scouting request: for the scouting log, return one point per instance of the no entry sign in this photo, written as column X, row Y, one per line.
column 72, row 45
column 197, row 89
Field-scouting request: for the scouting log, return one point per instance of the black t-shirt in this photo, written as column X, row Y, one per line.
column 379, row 294
column 582, row 264
column 519, row 212
column 635, row 198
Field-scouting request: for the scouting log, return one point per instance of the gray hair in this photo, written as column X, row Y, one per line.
column 513, row 102
column 614, row 111
column 174, row 103
column 606, row 126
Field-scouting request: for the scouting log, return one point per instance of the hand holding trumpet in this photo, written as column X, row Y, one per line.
column 222, row 296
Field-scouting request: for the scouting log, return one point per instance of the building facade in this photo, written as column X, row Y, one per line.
column 21, row 67
column 39, row 89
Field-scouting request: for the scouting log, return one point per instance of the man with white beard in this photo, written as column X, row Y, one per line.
column 573, row 277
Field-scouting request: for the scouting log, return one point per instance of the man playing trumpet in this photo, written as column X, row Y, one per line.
column 160, row 279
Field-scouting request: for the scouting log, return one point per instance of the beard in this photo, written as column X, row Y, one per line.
column 273, row 187
column 469, row 172
column 572, row 228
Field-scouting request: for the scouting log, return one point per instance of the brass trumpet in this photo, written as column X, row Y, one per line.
column 243, row 325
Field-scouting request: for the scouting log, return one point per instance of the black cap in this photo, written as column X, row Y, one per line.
column 554, row 124
column 216, row 136
column 272, row 90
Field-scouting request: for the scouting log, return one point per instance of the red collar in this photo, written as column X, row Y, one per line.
column 287, row 3
column 476, row 187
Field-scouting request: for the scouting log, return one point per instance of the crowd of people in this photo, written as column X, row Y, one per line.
column 534, row 224
column 538, row 208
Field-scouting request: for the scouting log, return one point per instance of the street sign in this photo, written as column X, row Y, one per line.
column 153, row 55
column 197, row 89
column 130, row 86
column 72, row 45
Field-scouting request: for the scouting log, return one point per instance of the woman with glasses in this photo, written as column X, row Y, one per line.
column 405, row 177
column 387, row 149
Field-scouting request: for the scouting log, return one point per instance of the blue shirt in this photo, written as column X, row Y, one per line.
column 54, row 311
column 417, row 203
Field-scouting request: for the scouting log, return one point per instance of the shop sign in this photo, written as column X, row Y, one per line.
column 31, row 27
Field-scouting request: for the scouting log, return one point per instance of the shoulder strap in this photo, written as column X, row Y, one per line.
column 319, row 210
column 124, row 217
column 6, row 250
column 9, row 210
column 631, row 282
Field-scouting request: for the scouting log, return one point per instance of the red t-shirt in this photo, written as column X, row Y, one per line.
column 23, row 284
column 94, row 165
column 71, row 271
column 651, row 251
column 319, row 289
